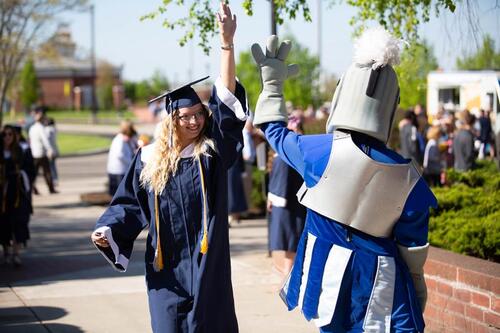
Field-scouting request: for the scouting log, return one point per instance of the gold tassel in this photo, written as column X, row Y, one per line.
column 204, row 240
column 158, row 259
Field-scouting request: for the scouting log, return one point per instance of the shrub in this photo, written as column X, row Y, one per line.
column 467, row 220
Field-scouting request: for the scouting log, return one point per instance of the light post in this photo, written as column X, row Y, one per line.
column 93, row 72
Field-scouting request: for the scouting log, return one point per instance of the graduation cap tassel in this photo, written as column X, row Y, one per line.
column 204, row 240
column 158, row 259
column 170, row 128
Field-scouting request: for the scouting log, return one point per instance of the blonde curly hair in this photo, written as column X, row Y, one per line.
column 165, row 158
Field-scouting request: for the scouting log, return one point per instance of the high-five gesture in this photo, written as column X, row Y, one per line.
column 227, row 24
column 227, row 28
column 274, row 71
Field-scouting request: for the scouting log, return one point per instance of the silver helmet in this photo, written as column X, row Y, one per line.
column 367, row 95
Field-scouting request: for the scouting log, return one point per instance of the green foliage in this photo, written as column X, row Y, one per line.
column 300, row 90
column 258, row 195
column 200, row 17
column 129, row 88
column 401, row 17
column 485, row 58
column 468, row 219
column 248, row 74
column 105, row 81
column 29, row 84
column 416, row 62
column 71, row 143
column 144, row 90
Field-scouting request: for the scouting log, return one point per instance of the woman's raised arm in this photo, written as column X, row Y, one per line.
column 227, row 28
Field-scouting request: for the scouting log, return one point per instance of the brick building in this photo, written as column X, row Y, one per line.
column 66, row 80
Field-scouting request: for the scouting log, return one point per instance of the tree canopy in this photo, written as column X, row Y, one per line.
column 416, row 62
column 29, row 85
column 487, row 57
column 301, row 90
column 21, row 22
column 401, row 17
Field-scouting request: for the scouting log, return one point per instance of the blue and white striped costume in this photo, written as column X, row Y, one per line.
column 344, row 279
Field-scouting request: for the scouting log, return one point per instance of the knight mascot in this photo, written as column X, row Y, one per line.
column 359, row 263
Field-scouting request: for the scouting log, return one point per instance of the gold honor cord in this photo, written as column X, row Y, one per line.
column 158, row 259
column 204, row 240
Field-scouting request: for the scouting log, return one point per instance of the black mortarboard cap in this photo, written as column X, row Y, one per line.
column 181, row 97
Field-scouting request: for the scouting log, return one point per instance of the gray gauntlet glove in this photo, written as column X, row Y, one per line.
column 273, row 71
column 415, row 259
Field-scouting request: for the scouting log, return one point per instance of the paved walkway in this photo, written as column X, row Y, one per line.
column 65, row 286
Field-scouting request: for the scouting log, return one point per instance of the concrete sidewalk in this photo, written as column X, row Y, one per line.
column 65, row 286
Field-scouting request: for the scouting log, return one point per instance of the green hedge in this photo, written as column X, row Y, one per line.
column 467, row 220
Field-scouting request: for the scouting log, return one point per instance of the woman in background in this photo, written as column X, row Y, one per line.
column 16, row 170
column 121, row 153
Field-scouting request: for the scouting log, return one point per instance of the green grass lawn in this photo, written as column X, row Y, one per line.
column 73, row 143
column 84, row 116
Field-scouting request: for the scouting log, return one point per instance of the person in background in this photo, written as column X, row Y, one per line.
column 121, row 153
column 50, row 130
column 485, row 132
column 237, row 202
column 176, row 187
column 409, row 137
column 16, row 170
column 41, row 149
column 249, row 157
column 287, row 215
column 432, row 157
column 463, row 142
column 143, row 140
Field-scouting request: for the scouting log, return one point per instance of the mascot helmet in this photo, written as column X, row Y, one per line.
column 367, row 95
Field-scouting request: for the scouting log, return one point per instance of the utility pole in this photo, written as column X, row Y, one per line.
column 274, row 28
column 93, row 71
column 317, row 89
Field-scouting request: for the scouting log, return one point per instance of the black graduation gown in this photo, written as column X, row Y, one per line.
column 193, row 293
column 288, row 216
column 15, row 197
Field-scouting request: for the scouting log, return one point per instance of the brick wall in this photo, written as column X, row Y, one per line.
column 463, row 294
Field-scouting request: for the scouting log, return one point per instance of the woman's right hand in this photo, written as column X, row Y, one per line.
column 99, row 239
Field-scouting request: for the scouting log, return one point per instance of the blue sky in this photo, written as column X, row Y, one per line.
column 143, row 47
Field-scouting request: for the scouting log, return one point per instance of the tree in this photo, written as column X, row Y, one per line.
column 21, row 22
column 29, row 85
column 249, row 76
column 327, row 88
column 301, row 90
column 159, row 83
column 401, row 17
column 485, row 58
column 416, row 62
column 200, row 17
column 105, row 82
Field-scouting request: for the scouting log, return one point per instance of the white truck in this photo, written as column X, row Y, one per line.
column 472, row 90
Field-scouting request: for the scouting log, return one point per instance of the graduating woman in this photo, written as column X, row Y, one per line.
column 177, row 188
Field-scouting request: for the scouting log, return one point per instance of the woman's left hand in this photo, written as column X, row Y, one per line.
column 227, row 24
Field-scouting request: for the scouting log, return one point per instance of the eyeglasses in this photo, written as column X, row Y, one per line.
column 196, row 116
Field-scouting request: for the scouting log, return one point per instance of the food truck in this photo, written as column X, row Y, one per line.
column 458, row 90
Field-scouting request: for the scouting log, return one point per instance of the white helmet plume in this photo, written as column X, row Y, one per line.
column 377, row 47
